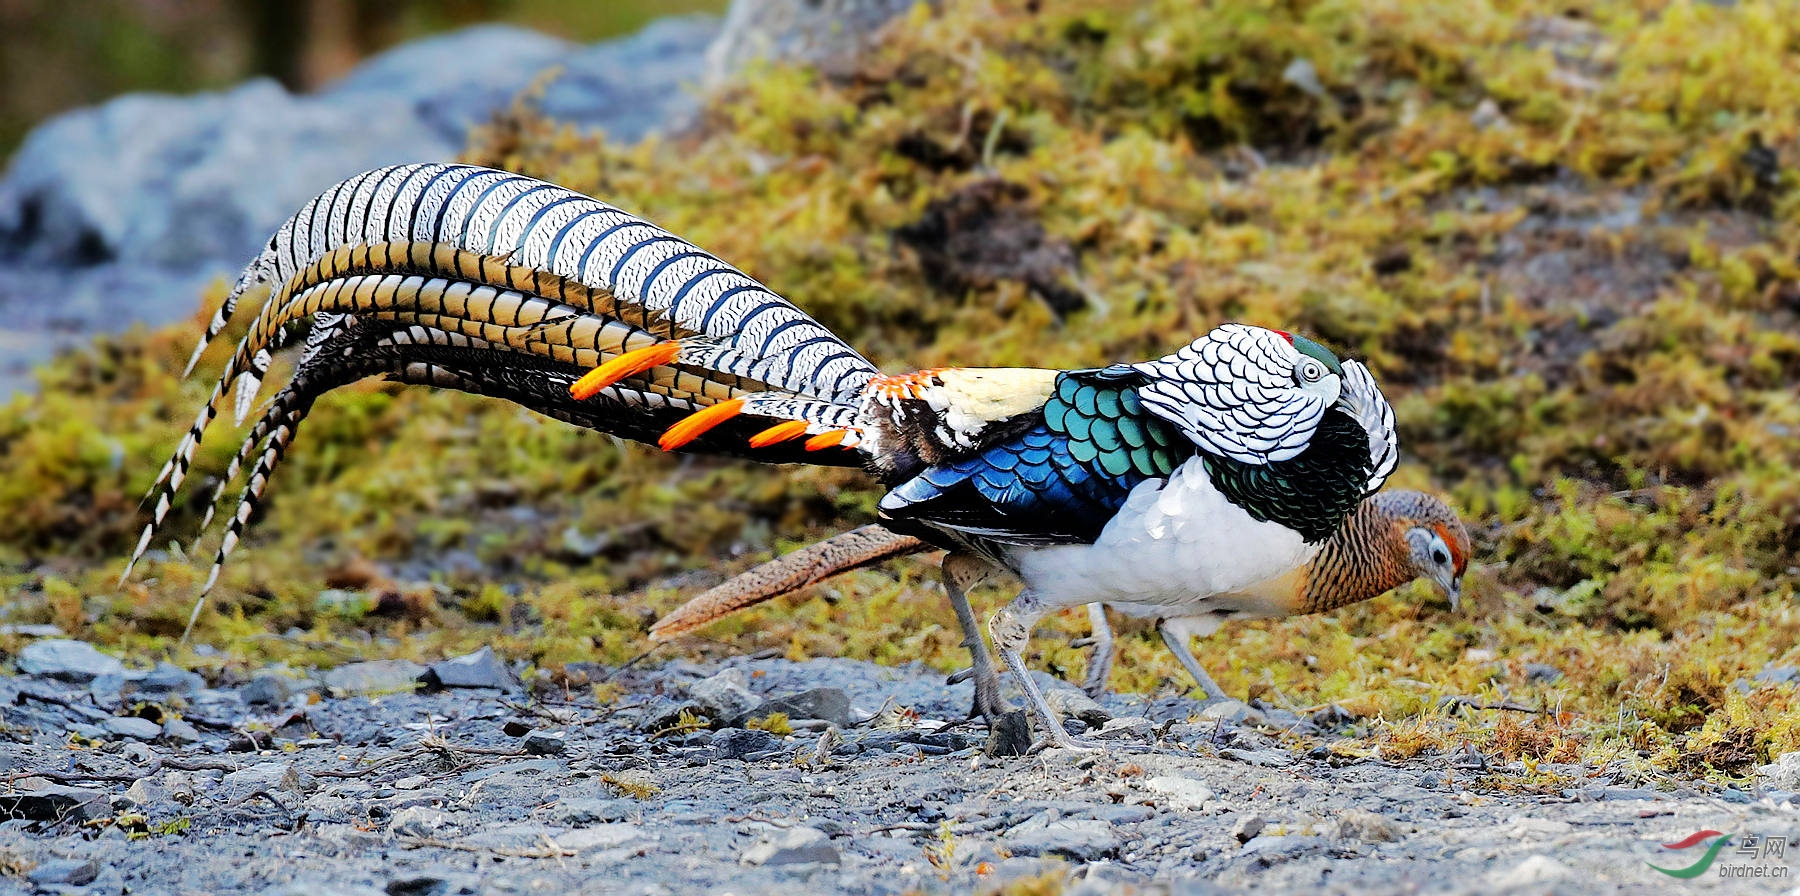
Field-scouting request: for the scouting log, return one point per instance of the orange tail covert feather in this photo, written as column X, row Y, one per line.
column 629, row 364
column 827, row 440
column 780, row 432
column 695, row 425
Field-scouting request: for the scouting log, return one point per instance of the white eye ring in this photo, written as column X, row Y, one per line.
column 1312, row 371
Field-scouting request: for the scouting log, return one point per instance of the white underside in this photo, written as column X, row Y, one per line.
column 1179, row 550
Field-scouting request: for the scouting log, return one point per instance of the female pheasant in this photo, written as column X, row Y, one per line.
column 1151, row 484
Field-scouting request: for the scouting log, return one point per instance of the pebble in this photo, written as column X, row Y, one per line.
column 131, row 726
column 267, row 689
column 1370, row 827
column 791, row 846
column 146, row 792
column 1127, row 728
column 726, row 697
column 1783, row 773
column 544, row 743
column 1180, row 793
column 1537, row 869
column 179, row 731
column 1074, row 704
column 418, row 821
column 1542, row 673
column 481, row 669
column 593, row 811
column 65, row 872
column 601, row 836
column 165, row 680
column 1247, row 827
column 1778, row 675
column 66, row 660
column 1230, row 711
column 271, row 776
column 1265, row 758
column 741, row 743
column 1281, row 847
column 830, row 704
column 1081, row 839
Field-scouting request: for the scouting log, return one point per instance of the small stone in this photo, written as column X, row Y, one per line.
column 1230, row 711
column 1783, row 773
column 55, row 803
column 1264, row 758
column 830, row 704
column 66, row 660
column 1127, row 728
column 269, row 776
column 725, row 697
column 592, row 811
column 1081, row 839
column 515, row 728
column 146, row 792
column 1537, row 869
column 32, row 631
column 178, row 731
column 65, row 872
column 1361, row 824
column 1276, row 848
column 131, row 726
column 1778, row 675
column 378, row 677
column 267, row 689
column 600, row 836
column 792, row 846
column 1073, row 704
column 1247, row 827
column 1542, row 673
column 544, row 743
column 481, row 669
column 412, row 782
column 1180, row 793
column 738, row 743
column 164, row 680
column 1010, row 735
column 1332, row 717
column 418, row 821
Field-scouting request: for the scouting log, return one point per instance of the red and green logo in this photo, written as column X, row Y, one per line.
column 1706, row 859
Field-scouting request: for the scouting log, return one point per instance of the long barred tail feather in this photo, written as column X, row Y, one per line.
column 498, row 284
column 788, row 573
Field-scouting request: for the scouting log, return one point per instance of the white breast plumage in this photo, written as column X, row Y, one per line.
column 1171, row 544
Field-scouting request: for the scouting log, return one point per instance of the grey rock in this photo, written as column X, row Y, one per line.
column 726, row 696
column 67, row 660
column 164, row 680
column 739, row 743
column 146, row 792
column 54, row 803
column 418, row 821
column 481, row 669
column 271, row 776
column 378, row 677
column 65, row 872
column 830, row 33
column 267, row 689
column 602, row 836
column 322, row 887
column 1361, row 824
column 791, row 846
column 1270, row 848
column 1073, row 704
column 1127, row 728
column 1783, row 773
column 1542, row 673
column 31, row 631
column 1778, row 675
column 129, row 726
column 1265, row 758
column 178, row 731
column 1180, row 793
column 1230, row 711
column 1247, row 827
column 830, row 704
column 593, row 811
column 1081, row 839
column 544, row 743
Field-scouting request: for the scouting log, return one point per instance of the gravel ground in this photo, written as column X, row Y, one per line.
column 350, row 782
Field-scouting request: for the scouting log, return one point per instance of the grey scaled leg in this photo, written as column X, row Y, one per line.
column 962, row 572
column 1100, row 662
column 1176, row 633
column 1011, row 628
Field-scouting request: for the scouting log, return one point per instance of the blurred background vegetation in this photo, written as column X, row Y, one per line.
column 57, row 55
column 1565, row 235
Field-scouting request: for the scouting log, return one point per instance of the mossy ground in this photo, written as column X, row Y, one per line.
column 1565, row 236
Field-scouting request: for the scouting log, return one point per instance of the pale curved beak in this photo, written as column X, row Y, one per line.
column 1452, row 585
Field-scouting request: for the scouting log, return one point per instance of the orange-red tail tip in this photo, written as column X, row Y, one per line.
column 628, row 364
column 780, row 432
column 696, row 424
column 827, row 439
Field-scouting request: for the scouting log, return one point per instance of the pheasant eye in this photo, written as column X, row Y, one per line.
column 1439, row 557
column 1311, row 371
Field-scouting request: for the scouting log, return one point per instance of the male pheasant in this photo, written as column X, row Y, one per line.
column 1392, row 538
column 1150, row 484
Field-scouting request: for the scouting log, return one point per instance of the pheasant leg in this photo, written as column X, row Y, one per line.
column 1177, row 640
column 961, row 572
column 1011, row 630
column 1100, row 662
